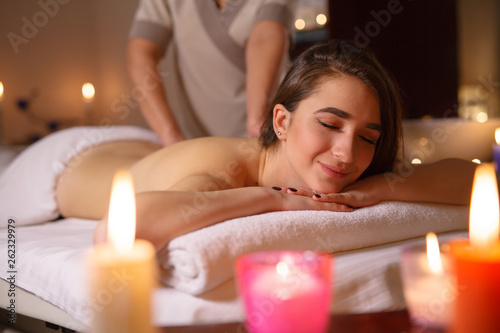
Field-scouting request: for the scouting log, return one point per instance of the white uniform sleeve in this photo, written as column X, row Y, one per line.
column 153, row 21
column 282, row 11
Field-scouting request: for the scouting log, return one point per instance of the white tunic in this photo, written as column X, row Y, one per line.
column 204, row 72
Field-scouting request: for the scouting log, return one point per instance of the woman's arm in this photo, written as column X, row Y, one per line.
column 142, row 61
column 448, row 181
column 265, row 49
column 164, row 215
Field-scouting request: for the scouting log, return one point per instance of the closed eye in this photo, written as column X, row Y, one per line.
column 327, row 125
column 372, row 142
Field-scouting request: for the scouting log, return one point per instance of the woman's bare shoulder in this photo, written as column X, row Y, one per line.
column 232, row 160
column 212, row 149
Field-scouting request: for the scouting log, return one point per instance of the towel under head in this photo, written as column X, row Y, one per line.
column 203, row 259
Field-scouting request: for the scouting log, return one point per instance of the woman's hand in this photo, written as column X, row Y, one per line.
column 303, row 199
column 362, row 193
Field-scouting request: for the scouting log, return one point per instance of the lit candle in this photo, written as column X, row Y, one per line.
column 285, row 291
column 433, row 254
column 496, row 150
column 122, row 271
column 428, row 288
column 88, row 93
column 477, row 261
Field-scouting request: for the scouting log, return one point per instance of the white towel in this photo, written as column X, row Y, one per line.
column 27, row 186
column 203, row 259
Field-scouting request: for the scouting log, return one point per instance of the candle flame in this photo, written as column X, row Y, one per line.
column 497, row 135
column 433, row 254
column 282, row 268
column 88, row 91
column 121, row 218
column 484, row 208
column 1, row 90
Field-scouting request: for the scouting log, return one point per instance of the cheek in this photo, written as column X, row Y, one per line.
column 305, row 139
column 314, row 145
column 303, row 148
column 299, row 150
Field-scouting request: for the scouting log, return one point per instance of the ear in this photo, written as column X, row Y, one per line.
column 281, row 121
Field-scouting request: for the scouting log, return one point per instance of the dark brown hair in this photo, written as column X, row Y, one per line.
column 333, row 59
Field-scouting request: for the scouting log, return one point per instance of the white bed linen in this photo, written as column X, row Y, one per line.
column 8, row 154
column 28, row 184
column 50, row 264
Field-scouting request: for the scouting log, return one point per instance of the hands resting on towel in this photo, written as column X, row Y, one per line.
column 405, row 185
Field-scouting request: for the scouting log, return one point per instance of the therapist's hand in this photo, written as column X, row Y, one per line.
column 253, row 127
column 170, row 137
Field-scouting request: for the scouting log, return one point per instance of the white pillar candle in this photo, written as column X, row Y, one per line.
column 123, row 270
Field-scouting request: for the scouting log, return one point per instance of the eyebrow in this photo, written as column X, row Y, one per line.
column 344, row 115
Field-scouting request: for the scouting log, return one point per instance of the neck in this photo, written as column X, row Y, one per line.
column 273, row 168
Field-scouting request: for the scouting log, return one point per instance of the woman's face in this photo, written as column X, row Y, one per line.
column 331, row 137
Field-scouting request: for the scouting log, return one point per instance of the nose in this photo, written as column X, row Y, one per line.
column 344, row 148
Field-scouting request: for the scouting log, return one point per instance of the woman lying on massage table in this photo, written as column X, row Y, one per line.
column 329, row 143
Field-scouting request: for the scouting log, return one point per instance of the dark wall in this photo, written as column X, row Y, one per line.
column 415, row 39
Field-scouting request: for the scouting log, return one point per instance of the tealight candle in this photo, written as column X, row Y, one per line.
column 428, row 288
column 88, row 93
column 285, row 291
column 122, row 271
column 476, row 262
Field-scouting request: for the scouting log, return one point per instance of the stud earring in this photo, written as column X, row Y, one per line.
column 278, row 132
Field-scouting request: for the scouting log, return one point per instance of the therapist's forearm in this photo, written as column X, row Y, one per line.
column 142, row 68
column 264, row 53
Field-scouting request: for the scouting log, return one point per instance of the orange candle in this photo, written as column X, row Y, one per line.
column 477, row 261
column 122, row 271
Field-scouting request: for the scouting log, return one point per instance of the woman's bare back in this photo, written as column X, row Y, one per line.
column 233, row 161
column 84, row 187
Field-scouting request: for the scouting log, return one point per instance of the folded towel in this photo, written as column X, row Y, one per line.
column 27, row 186
column 203, row 259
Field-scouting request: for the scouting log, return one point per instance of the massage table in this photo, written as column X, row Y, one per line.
column 196, row 271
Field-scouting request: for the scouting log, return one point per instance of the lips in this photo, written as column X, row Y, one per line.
column 333, row 171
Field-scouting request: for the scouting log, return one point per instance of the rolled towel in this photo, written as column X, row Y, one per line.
column 27, row 186
column 203, row 259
